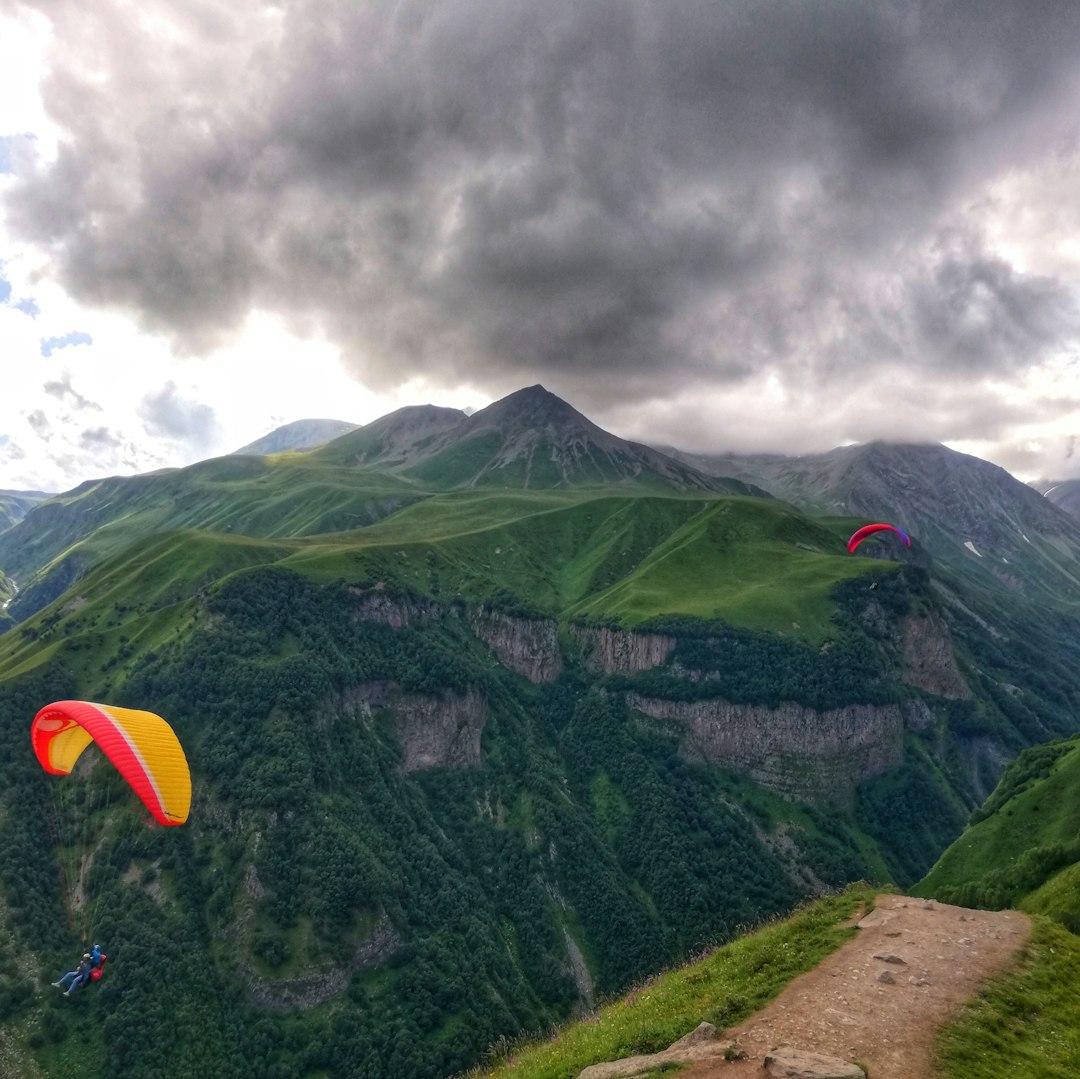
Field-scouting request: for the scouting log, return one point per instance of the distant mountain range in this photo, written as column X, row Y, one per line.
column 1063, row 493
column 14, row 505
column 959, row 509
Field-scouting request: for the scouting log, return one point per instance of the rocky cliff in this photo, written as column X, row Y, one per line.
column 615, row 651
column 930, row 660
column 798, row 752
column 434, row 731
column 375, row 605
column 527, row 646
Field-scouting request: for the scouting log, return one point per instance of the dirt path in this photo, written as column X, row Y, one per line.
column 841, row 1009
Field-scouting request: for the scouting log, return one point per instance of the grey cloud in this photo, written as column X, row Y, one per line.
column 64, row 392
column 40, row 423
column 977, row 313
column 10, row 451
column 610, row 196
column 168, row 414
column 99, row 438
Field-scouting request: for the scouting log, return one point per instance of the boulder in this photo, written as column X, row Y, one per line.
column 788, row 1063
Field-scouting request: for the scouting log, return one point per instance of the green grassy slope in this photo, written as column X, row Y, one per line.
column 1022, row 847
column 596, row 556
column 131, row 604
column 289, row 494
column 567, row 554
column 1027, row 1021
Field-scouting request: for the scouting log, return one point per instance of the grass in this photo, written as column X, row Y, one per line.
column 751, row 562
column 722, row 988
column 1026, row 1023
column 1036, row 815
column 132, row 603
column 1058, row 898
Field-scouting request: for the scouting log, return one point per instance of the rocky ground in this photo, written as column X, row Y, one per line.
column 876, row 1004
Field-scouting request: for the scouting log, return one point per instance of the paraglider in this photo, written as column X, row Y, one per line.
column 147, row 755
column 868, row 530
column 142, row 746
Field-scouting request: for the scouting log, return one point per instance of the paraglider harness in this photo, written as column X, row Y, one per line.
column 99, row 970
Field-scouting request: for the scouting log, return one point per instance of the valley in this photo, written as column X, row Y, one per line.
column 492, row 717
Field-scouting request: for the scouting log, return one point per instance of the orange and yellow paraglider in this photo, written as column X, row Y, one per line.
column 142, row 746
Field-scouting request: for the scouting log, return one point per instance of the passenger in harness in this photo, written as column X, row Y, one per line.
column 90, row 969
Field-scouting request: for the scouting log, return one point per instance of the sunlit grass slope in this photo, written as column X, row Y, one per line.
column 131, row 604
column 289, row 494
column 723, row 988
column 751, row 562
column 1023, row 845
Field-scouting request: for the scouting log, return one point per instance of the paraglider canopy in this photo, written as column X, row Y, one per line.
column 142, row 745
column 868, row 530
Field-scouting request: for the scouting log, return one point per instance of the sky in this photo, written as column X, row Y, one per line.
column 774, row 226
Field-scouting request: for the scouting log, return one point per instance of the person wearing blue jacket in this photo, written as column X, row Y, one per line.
column 74, row 978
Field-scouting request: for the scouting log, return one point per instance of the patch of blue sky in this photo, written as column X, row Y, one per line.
column 5, row 290
column 13, row 149
column 49, row 345
column 27, row 307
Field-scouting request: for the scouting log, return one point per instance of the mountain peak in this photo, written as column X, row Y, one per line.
column 532, row 407
column 298, row 435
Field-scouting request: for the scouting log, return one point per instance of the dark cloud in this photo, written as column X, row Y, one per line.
column 615, row 197
column 166, row 413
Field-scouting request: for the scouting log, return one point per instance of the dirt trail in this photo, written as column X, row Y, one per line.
column 841, row 1009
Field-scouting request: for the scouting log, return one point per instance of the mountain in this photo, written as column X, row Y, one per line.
column 14, row 506
column 470, row 750
column 298, row 435
column 967, row 513
column 1063, row 493
column 529, row 439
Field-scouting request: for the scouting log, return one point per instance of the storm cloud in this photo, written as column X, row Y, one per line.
column 623, row 199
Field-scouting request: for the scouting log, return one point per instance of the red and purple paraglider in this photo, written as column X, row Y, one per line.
column 868, row 530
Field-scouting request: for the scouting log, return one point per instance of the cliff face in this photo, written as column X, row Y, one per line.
column 435, row 732
column 929, row 658
column 527, row 646
column 615, row 651
column 374, row 605
column 798, row 752
column 317, row 986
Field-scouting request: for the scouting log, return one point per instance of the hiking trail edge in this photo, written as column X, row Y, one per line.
column 878, row 1001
